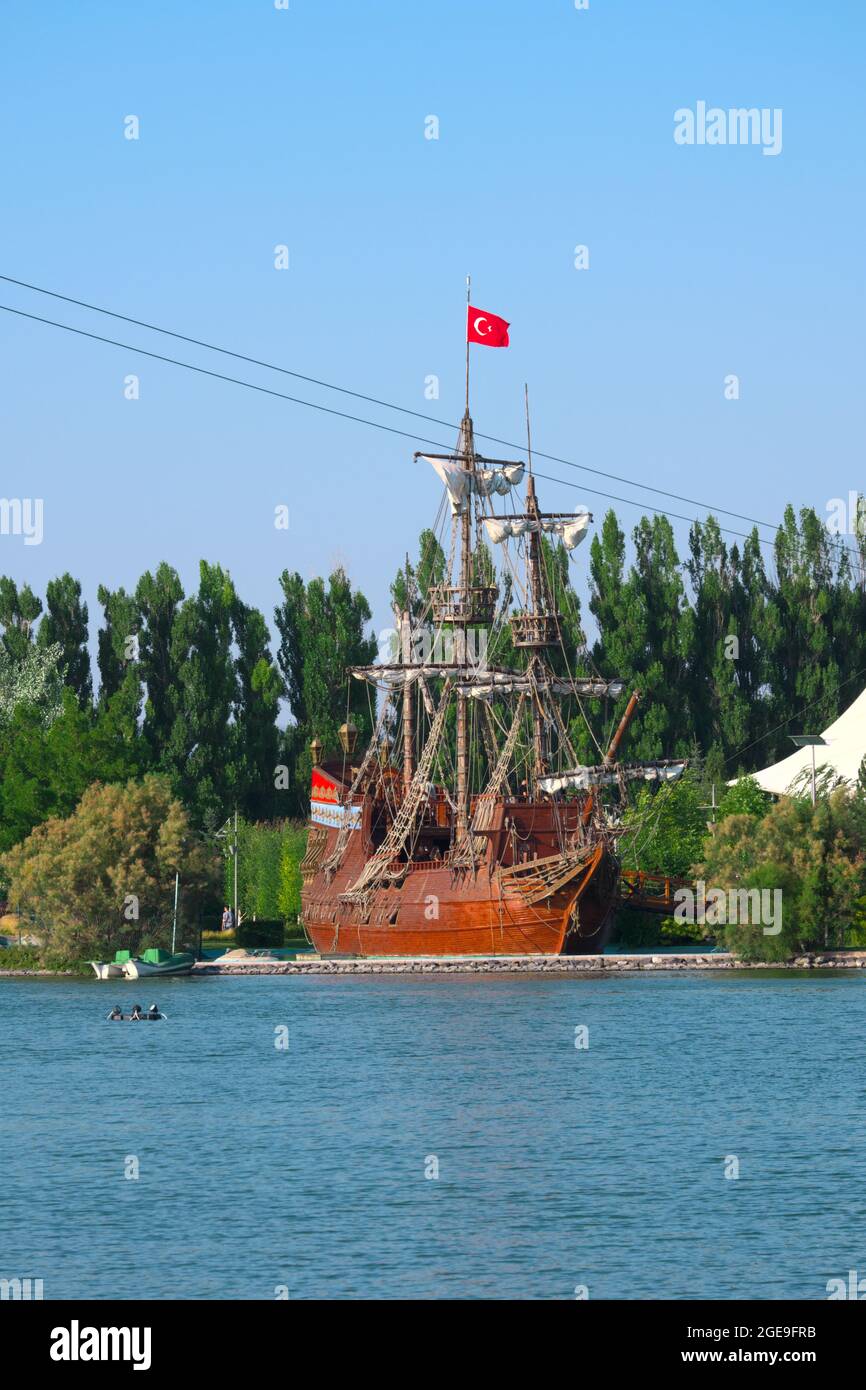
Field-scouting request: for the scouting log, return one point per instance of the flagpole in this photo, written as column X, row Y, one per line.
column 468, row 296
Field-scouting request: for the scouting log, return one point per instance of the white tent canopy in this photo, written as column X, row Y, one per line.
column 846, row 748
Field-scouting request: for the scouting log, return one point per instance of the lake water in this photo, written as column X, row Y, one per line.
column 558, row 1167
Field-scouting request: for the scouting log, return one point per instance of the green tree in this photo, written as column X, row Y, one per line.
column 257, row 702
column 804, row 671
column 159, row 597
column 745, row 798
column 64, row 624
column 292, row 850
column 35, row 679
column 668, row 826
column 321, row 635
column 410, row 590
column 117, row 640
column 19, row 609
column 646, row 631
column 269, row 879
column 46, row 765
column 103, row 877
column 813, row 857
column 199, row 747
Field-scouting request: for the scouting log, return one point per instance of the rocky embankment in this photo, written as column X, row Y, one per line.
column 526, row 965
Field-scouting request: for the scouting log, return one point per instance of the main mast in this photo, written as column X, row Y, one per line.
column 466, row 448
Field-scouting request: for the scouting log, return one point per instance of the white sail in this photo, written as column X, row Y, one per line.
column 490, row 685
column 484, row 482
column 405, row 675
column 455, row 478
column 582, row 778
column 571, row 531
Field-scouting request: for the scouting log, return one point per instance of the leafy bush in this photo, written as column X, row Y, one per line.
column 745, row 798
column 633, row 928
column 103, row 878
column 670, row 826
column 815, row 858
column 269, row 878
column 37, row 958
column 250, row 935
column 20, row 958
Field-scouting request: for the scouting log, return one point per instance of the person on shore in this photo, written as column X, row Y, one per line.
column 116, row 1014
column 228, row 920
column 153, row 1011
column 136, row 1015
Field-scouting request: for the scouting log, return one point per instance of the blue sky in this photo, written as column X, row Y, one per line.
column 305, row 127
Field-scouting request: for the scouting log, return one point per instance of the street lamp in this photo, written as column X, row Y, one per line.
column 812, row 741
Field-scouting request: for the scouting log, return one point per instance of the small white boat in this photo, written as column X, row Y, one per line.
column 153, row 962
column 156, row 962
column 107, row 969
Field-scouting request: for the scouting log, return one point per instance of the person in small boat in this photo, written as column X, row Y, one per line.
column 153, row 1011
column 136, row 1016
column 116, row 1014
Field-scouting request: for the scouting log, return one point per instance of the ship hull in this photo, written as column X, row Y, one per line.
column 437, row 911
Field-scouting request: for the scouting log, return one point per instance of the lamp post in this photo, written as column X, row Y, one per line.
column 812, row 741
column 228, row 833
column 174, row 919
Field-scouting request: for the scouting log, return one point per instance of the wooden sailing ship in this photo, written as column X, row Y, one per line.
column 483, row 834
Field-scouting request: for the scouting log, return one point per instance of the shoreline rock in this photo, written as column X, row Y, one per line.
column 532, row 965
column 501, row 965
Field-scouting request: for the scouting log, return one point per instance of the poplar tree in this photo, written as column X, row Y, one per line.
column 19, row 609
column 158, row 597
column 321, row 635
column 64, row 624
column 116, row 642
column 256, row 737
column 200, row 747
column 646, row 631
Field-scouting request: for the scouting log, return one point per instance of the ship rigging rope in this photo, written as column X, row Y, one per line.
column 576, row 619
column 335, row 857
column 372, row 400
column 376, row 869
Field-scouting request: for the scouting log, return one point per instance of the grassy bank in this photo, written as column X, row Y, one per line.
column 32, row 958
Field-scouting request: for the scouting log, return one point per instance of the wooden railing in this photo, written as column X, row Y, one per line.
column 650, row 892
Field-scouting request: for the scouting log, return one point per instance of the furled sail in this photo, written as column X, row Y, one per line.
column 570, row 530
column 582, row 778
column 488, row 685
column 406, row 675
column 489, row 682
column 484, row 482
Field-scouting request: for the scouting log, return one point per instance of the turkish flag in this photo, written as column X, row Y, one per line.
column 485, row 328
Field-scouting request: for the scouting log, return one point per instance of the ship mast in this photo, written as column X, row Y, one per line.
column 536, row 596
column 466, row 451
column 408, row 687
column 464, row 607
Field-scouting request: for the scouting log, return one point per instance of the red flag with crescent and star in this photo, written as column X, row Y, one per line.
column 485, row 328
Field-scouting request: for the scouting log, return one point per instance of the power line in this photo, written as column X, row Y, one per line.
column 373, row 424
column 374, row 400
column 581, row 487
column 221, row 376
